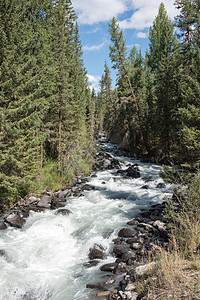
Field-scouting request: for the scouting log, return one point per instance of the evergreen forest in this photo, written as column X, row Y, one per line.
column 49, row 117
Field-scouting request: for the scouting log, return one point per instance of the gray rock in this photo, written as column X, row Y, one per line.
column 3, row 226
column 142, row 270
column 127, row 232
column 15, row 220
column 45, row 201
column 96, row 252
column 111, row 267
column 64, row 194
column 121, row 268
column 121, row 249
column 63, row 211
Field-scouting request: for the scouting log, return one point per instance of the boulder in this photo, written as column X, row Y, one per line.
column 91, row 263
column 15, row 220
column 127, row 232
column 45, row 201
column 129, row 257
column 96, row 252
column 133, row 172
column 120, row 249
column 3, row 226
column 64, row 194
column 145, row 269
column 63, row 211
column 111, row 267
column 3, row 254
column 161, row 185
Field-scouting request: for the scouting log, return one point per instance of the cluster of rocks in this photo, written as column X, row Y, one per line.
column 131, row 172
column 16, row 216
column 105, row 161
column 135, row 246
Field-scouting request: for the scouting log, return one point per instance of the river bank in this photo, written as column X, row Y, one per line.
column 127, row 242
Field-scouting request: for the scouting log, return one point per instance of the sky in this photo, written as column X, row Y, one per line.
column 135, row 17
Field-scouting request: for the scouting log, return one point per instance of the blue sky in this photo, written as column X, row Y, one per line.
column 135, row 17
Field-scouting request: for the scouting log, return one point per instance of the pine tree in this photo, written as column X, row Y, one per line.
column 189, row 85
column 119, row 60
column 163, row 63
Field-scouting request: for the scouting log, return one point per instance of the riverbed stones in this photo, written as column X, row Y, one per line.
column 63, row 212
column 127, row 232
column 15, row 220
column 45, row 201
column 96, row 252
column 119, row 250
column 3, row 226
column 143, row 270
column 111, row 267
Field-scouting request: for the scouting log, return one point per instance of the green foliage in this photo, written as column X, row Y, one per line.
column 43, row 95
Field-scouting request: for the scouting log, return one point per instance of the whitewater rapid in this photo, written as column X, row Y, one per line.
column 46, row 258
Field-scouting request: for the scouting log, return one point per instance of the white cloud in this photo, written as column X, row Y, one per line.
column 94, row 11
column 93, row 47
column 94, row 81
column 142, row 35
column 144, row 11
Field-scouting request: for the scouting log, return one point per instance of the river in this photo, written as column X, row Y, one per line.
column 45, row 259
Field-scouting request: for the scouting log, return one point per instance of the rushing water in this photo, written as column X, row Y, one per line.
column 45, row 259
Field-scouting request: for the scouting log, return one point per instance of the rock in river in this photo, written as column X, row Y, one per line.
column 15, row 220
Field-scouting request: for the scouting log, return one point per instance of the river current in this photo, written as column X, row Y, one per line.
column 45, row 259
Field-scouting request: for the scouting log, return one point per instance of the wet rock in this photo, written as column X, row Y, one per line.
column 3, row 226
column 97, row 252
column 108, row 233
column 93, row 175
column 127, row 232
column 161, row 185
column 120, row 249
column 91, row 263
column 45, row 201
column 133, row 222
column 145, row 187
column 15, row 220
column 118, row 241
column 95, row 286
column 3, row 254
column 24, row 213
column 111, row 267
column 133, row 172
column 87, row 187
column 56, row 203
column 63, row 211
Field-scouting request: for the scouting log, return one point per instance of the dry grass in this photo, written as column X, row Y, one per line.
column 178, row 275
